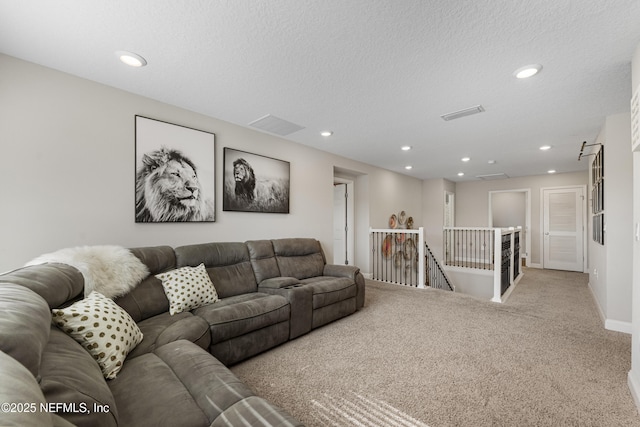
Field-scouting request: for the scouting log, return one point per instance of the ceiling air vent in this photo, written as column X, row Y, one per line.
column 273, row 124
column 461, row 113
column 492, row 176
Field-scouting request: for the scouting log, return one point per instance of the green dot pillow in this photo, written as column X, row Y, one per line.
column 103, row 328
column 188, row 288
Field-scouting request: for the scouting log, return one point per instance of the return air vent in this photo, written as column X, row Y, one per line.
column 273, row 124
column 462, row 113
column 492, row 176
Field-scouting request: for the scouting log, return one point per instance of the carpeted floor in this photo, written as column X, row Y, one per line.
column 432, row 358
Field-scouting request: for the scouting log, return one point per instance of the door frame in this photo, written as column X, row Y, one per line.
column 585, row 225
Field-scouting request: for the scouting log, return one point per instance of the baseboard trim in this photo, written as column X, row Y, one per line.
column 634, row 388
column 618, row 326
column 603, row 318
column 610, row 324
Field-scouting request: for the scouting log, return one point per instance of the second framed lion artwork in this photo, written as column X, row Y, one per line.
column 255, row 183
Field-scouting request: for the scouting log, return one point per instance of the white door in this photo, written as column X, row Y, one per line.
column 563, row 229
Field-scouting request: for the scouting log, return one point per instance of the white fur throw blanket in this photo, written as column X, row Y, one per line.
column 111, row 270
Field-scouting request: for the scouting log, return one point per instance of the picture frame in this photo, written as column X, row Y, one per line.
column 255, row 183
column 597, row 196
column 175, row 173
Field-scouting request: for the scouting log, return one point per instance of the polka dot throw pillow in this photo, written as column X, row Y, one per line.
column 188, row 288
column 103, row 328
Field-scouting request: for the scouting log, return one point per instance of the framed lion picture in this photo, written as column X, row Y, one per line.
column 175, row 173
column 255, row 183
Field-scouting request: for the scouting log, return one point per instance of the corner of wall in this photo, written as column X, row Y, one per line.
column 634, row 386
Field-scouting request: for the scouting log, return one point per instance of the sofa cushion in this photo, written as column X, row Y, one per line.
column 145, row 300
column 103, row 328
column 157, row 258
column 165, row 328
column 228, row 265
column 188, row 288
column 179, row 384
column 299, row 258
column 148, row 299
column 241, row 314
column 263, row 259
column 24, row 325
column 71, row 376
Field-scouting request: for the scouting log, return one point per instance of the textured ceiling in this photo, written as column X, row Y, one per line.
column 378, row 73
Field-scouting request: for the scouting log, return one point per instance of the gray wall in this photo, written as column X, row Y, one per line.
column 508, row 209
column 68, row 173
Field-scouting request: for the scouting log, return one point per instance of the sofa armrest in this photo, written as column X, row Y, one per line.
column 337, row 270
column 194, row 329
column 164, row 328
column 300, row 297
column 20, row 387
column 278, row 283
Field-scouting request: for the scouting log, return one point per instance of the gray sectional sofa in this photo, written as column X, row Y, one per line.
column 270, row 291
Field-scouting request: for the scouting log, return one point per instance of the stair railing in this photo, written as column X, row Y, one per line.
column 402, row 257
column 436, row 277
column 396, row 255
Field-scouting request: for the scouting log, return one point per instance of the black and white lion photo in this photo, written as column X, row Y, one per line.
column 254, row 183
column 168, row 186
column 245, row 181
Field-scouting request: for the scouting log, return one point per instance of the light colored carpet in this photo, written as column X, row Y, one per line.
column 432, row 358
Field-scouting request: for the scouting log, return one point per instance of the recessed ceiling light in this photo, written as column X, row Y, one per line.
column 527, row 71
column 492, row 162
column 545, row 147
column 551, row 171
column 406, row 148
column 131, row 59
column 465, row 159
column 326, row 133
column 408, row 167
column 460, row 173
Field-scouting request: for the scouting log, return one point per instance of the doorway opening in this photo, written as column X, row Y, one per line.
column 512, row 208
column 449, row 209
column 343, row 221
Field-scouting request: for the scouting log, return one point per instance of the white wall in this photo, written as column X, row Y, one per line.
column 472, row 201
column 68, row 173
column 611, row 285
column 619, row 212
column 433, row 214
column 634, row 374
